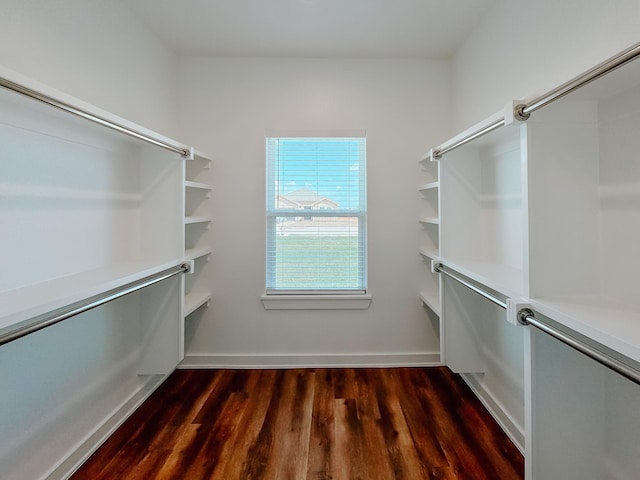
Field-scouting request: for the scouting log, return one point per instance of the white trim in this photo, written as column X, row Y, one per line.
column 290, row 133
column 423, row 359
column 498, row 411
column 316, row 302
column 276, row 161
column 95, row 438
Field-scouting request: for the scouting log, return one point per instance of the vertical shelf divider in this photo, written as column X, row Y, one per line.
column 197, row 242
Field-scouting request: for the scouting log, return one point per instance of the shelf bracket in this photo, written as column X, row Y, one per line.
column 515, row 307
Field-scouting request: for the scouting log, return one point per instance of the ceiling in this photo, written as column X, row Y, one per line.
column 312, row 28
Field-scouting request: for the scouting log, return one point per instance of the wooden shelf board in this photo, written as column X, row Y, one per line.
column 199, row 185
column 607, row 321
column 190, row 220
column 431, row 300
column 193, row 301
column 429, row 186
column 502, row 278
column 432, row 254
column 25, row 303
column 198, row 155
column 194, row 253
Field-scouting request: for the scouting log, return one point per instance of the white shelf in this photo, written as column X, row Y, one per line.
column 197, row 171
column 195, row 300
column 431, row 300
column 429, row 186
column 431, row 220
column 197, row 191
column 199, row 185
column 78, row 105
column 602, row 319
column 432, row 254
column 198, row 155
column 502, row 278
column 192, row 220
column 195, row 253
column 426, row 157
column 25, row 303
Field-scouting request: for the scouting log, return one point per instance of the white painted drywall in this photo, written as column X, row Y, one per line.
column 94, row 50
column 225, row 107
column 524, row 48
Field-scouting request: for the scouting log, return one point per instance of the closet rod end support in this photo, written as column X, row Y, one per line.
column 519, row 113
column 523, row 315
column 188, row 153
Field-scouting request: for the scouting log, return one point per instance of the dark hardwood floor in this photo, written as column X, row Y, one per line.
column 401, row 423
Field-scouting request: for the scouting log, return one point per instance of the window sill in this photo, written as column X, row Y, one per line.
column 316, row 302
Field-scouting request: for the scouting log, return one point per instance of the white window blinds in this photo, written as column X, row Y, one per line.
column 316, row 215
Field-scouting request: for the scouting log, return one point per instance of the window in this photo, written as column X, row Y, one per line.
column 316, row 215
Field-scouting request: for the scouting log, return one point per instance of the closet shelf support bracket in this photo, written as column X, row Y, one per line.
column 519, row 113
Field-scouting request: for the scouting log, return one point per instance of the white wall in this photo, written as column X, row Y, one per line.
column 524, row 48
column 94, row 50
column 225, row 107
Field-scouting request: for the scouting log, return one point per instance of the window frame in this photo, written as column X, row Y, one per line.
column 274, row 298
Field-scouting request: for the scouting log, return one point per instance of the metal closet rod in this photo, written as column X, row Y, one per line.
column 57, row 316
column 523, row 111
column 440, row 268
column 527, row 317
column 439, row 152
column 28, row 92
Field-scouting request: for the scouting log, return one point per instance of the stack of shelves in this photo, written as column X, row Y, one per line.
column 584, row 171
column 546, row 213
column 197, row 192
column 483, row 236
column 485, row 227
column 87, row 209
column 90, row 217
column 430, row 233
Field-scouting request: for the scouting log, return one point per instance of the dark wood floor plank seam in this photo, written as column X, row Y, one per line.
column 309, row 424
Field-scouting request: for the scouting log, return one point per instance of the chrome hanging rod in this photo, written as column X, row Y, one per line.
column 51, row 318
column 440, row 268
column 28, row 92
column 524, row 110
column 440, row 151
column 527, row 317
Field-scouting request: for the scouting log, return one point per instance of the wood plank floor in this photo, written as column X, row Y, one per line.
column 340, row 424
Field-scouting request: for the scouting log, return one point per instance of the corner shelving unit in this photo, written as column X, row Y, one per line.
column 87, row 209
column 482, row 229
column 539, row 218
column 486, row 217
column 197, row 193
column 93, row 219
column 584, row 168
column 429, row 220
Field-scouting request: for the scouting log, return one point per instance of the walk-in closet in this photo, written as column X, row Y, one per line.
column 468, row 171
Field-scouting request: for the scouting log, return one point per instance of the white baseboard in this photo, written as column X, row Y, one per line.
column 426, row 359
column 498, row 411
column 103, row 431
